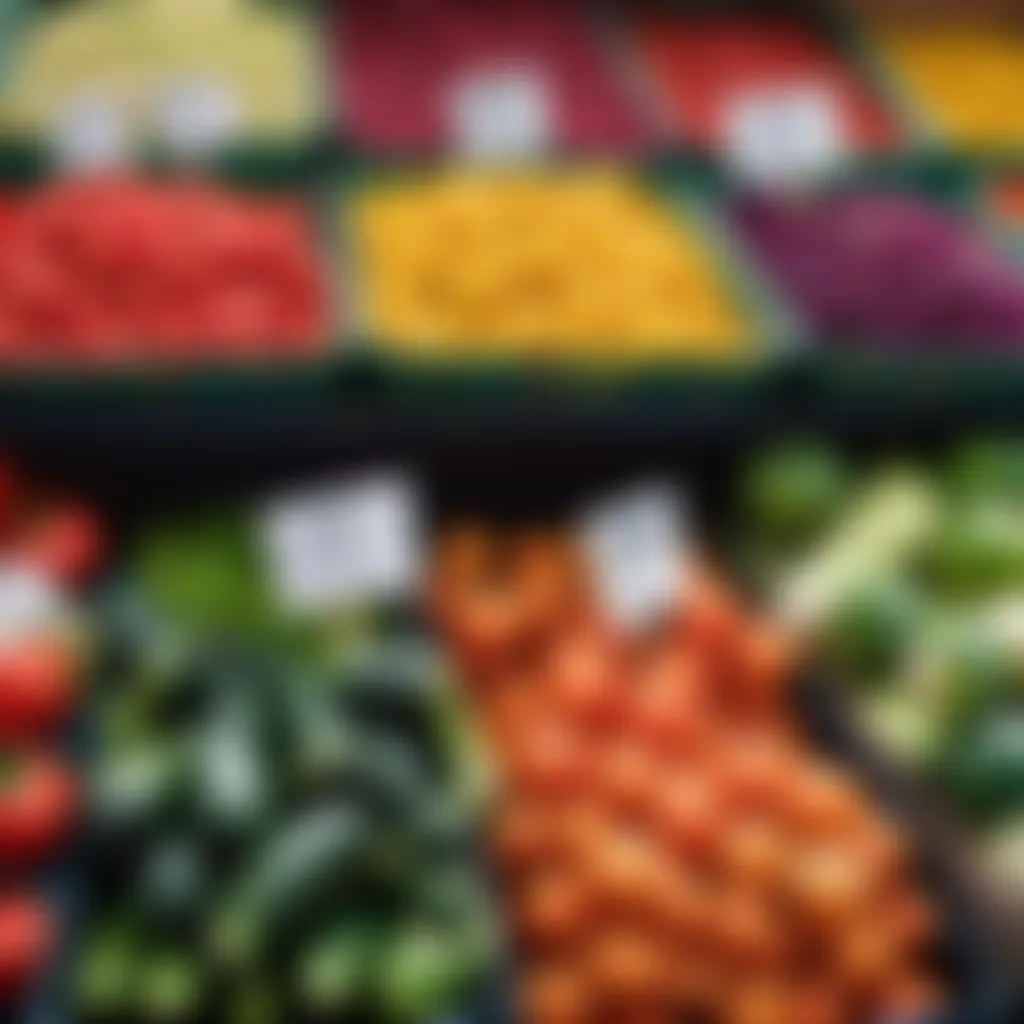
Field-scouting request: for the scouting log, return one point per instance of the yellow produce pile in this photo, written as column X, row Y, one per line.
column 967, row 76
column 539, row 262
column 133, row 52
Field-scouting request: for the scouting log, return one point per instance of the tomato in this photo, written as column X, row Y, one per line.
column 526, row 833
column 756, row 771
column 26, row 943
column 553, row 907
column 818, row 1003
column 709, row 614
column 626, row 871
column 686, row 812
column 511, row 705
column 827, row 885
column 625, row 776
column 38, row 687
column 759, row 1002
column 747, row 930
column 825, row 801
column 550, row 759
column 39, row 801
column 549, row 576
column 763, row 660
column 753, row 853
column 66, row 542
column 668, row 709
column 584, row 679
column 556, row 993
column 628, row 965
column 863, row 956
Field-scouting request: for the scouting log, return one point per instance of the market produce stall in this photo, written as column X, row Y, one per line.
column 474, row 633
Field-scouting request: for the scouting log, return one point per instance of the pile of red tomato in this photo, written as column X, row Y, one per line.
column 702, row 65
column 669, row 845
column 40, row 676
column 99, row 271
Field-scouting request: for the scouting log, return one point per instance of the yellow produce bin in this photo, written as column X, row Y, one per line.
column 963, row 77
column 545, row 264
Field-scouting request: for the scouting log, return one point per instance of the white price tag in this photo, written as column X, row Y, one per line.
column 345, row 542
column 502, row 114
column 197, row 116
column 636, row 545
column 91, row 134
column 786, row 134
column 29, row 601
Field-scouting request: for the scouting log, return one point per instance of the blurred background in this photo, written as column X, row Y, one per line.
column 511, row 511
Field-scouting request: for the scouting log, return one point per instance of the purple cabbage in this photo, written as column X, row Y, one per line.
column 885, row 269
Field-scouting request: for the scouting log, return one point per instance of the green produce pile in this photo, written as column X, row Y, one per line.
column 274, row 837
column 910, row 575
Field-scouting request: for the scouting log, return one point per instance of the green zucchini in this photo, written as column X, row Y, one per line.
column 235, row 796
column 254, row 1000
column 105, row 970
column 132, row 793
column 296, row 873
column 169, row 989
column 422, row 975
column 334, row 970
column 173, row 884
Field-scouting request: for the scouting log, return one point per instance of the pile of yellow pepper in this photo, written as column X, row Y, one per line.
column 967, row 77
column 580, row 262
column 131, row 52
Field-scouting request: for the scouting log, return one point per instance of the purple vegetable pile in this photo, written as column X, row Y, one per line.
column 885, row 269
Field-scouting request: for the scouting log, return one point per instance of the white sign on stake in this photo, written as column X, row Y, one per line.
column 786, row 134
column 91, row 134
column 502, row 114
column 29, row 601
column 198, row 115
column 636, row 545
column 345, row 542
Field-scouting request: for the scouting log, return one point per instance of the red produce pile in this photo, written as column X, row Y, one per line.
column 95, row 271
column 701, row 65
column 399, row 60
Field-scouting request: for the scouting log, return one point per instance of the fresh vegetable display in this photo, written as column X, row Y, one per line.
column 911, row 577
column 580, row 264
column 241, row 66
column 128, row 271
column 275, row 833
column 958, row 72
column 669, row 844
column 887, row 269
column 704, row 65
column 405, row 68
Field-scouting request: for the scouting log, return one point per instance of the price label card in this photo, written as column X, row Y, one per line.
column 198, row 115
column 346, row 542
column 636, row 546
column 502, row 114
column 29, row 601
column 91, row 134
column 786, row 134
